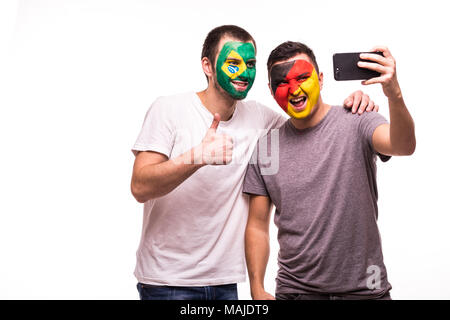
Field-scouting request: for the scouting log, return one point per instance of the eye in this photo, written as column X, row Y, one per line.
column 303, row 77
column 251, row 64
column 234, row 62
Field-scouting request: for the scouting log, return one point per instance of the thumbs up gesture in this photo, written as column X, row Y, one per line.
column 216, row 148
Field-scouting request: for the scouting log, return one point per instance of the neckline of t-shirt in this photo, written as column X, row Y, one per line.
column 223, row 123
column 317, row 126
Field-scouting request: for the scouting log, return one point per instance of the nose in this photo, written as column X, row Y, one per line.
column 294, row 87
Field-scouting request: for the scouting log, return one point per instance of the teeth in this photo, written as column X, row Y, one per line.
column 298, row 100
column 239, row 83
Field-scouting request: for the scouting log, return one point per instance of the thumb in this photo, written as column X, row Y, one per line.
column 349, row 101
column 215, row 122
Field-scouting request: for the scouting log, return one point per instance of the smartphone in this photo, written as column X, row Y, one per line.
column 345, row 67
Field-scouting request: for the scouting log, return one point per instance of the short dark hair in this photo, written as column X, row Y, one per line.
column 215, row 35
column 288, row 50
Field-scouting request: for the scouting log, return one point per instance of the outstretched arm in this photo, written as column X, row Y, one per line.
column 398, row 137
column 257, row 245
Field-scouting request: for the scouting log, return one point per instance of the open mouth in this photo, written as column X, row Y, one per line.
column 239, row 85
column 298, row 103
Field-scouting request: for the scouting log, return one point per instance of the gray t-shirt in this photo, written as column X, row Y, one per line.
column 325, row 194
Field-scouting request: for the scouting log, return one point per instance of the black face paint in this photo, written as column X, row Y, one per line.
column 278, row 74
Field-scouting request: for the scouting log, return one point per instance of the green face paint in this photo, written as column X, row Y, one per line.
column 236, row 68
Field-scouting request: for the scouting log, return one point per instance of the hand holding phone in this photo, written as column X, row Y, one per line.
column 377, row 66
column 385, row 65
column 345, row 66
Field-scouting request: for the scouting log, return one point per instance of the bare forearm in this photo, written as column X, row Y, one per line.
column 257, row 251
column 157, row 177
column 156, row 180
column 402, row 131
column 400, row 140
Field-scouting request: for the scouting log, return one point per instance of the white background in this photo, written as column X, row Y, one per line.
column 76, row 78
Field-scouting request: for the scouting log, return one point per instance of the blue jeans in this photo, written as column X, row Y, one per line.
column 221, row 292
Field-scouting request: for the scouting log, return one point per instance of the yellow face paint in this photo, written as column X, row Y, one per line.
column 234, row 65
column 295, row 86
column 236, row 68
column 310, row 88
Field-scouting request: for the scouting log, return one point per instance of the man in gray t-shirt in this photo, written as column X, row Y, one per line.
column 319, row 170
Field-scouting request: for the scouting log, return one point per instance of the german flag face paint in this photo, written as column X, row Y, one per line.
column 236, row 68
column 295, row 86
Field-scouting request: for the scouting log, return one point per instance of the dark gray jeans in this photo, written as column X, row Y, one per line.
column 315, row 296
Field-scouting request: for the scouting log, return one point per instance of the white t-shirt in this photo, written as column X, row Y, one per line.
column 194, row 236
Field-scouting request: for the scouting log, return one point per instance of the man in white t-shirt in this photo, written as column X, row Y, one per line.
column 191, row 158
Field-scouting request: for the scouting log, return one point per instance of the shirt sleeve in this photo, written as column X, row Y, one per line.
column 157, row 130
column 369, row 122
column 272, row 119
column 253, row 181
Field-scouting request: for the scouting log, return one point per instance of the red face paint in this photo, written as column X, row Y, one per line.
column 286, row 79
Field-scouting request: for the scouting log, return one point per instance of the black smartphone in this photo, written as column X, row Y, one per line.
column 345, row 67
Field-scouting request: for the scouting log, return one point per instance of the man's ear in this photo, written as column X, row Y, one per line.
column 321, row 80
column 207, row 67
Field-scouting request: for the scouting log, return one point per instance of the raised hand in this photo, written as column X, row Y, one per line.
column 386, row 66
column 216, row 149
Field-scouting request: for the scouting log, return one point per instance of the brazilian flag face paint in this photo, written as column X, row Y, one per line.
column 295, row 86
column 236, row 68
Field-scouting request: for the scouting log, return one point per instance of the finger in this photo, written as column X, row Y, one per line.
column 373, row 80
column 383, row 49
column 215, row 122
column 372, row 66
column 364, row 102
column 228, row 153
column 229, row 146
column 228, row 139
column 374, row 57
column 370, row 106
column 356, row 101
column 376, row 108
column 348, row 103
column 222, row 155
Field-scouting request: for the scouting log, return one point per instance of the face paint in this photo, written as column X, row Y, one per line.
column 295, row 86
column 235, row 68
